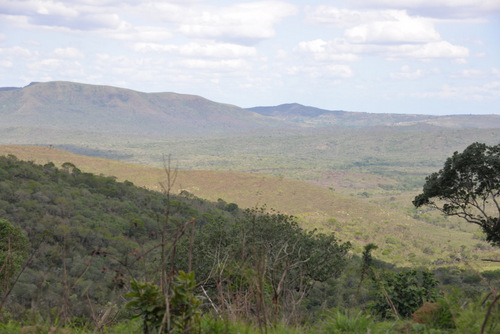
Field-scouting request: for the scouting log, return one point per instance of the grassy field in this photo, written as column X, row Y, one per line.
column 402, row 239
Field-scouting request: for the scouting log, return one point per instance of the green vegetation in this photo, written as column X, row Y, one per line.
column 98, row 255
column 468, row 187
column 431, row 238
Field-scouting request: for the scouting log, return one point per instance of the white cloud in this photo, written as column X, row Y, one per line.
column 68, row 53
column 436, row 8
column 399, row 28
column 460, row 61
column 242, row 23
column 407, row 73
column 315, row 72
column 211, row 50
column 128, row 32
column 328, row 51
column 342, row 50
column 5, row 63
column 389, row 33
column 16, row 52
column 486, row 91
column 383, row 26
column 217, row 65
column 476, row 74
column 61, row 14
column 63, row 69
column 440, row 49
column 340, row 17
column 470, row 74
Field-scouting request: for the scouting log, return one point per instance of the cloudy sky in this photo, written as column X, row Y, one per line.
column 399, row 56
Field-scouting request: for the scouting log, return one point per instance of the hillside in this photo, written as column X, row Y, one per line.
column 87, row 237
column 67, row 107
column 80, row 107
column 312, row 116
column 321, row 117
column 402, row 239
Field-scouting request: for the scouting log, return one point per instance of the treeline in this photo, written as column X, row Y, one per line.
column 83, row 250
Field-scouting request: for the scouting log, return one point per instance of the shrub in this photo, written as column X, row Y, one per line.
column 406, row 291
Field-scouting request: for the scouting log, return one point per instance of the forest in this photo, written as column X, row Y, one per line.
column 84, row 253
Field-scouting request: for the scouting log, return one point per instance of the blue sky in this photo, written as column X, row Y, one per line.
column 397, row 56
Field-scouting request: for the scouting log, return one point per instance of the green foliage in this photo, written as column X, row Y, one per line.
column 338, row 322
column 253, row 265
column 406, row 291
column 10, row 328
column 442, row 318
column 102, row 231
column 184, row 308
column 13, row 252
column 148, row 303
column 468, row 186
column 267, row 256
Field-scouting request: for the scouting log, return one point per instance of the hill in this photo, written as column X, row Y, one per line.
column 312, row 116
column 85, row 239
column 74, row 106
column 67, row 107
column 403, row 239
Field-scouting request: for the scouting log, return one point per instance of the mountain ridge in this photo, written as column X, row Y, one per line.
column 78, row 106
column 61, row 105
column 313, row 116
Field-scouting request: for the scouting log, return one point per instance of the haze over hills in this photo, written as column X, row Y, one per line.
column 312, row 116
column 291, row 140
column 75, row 106
column 69, row 106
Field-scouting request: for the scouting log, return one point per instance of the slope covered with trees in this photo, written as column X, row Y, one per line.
column 87, row 252
column 88, row 239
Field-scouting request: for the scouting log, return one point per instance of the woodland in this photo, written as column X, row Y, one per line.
column 86, row 253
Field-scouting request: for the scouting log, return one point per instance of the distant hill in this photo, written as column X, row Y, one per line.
column 58, row 108
column 90, row 108
column 312, row 116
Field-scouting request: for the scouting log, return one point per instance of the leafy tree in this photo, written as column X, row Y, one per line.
column 13, row 253
column 405, row 292
column 13, row 246
column 147, row 301
column 265, row 261
column 468, row 186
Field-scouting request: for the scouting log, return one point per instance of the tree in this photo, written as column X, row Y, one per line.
column 13, row 253
column 405, row 292
column 468, row 186
column 264, row 264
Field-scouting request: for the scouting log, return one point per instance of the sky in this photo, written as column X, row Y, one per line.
column 396, row 56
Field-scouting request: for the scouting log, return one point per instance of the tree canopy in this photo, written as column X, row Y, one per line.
column 91, row 236
column 468, row 186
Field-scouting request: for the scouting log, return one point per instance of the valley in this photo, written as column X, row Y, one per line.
column 357, row 179
column 342, row 172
